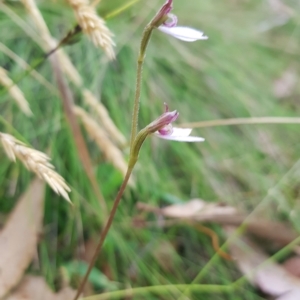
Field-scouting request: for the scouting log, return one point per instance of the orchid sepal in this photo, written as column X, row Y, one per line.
column 180, row 135
column 162, row 14
column 183, row 33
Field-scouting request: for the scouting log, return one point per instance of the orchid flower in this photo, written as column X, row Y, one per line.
column 167, row 23
column 168, row 132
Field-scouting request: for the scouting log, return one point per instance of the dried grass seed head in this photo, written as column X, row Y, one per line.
column 93, row 26
column 35, row 161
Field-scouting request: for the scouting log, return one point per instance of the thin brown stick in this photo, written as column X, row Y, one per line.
column 241, row 121
column 214, row 240
column 104, row 232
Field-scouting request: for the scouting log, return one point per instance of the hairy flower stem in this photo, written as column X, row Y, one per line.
column 136, row 141
column 135, row 115
column 105, row 230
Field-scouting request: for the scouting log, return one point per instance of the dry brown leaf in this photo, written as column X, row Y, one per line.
column 19, row 237
column 198, row 210
column 35, row 288
column 292, row 265
column 270, row 277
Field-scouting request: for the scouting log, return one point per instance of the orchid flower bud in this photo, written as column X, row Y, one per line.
column 162, row 14
column 162, row 122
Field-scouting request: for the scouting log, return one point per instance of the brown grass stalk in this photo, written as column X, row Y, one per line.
column 15, row 92
column 35, row 161
column 111, row 152
column 93, row 26
column 61, row 62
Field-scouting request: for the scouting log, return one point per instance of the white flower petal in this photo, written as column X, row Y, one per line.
column 181, row 131
column 182, row 138
column 180, row 135
column 184, row 33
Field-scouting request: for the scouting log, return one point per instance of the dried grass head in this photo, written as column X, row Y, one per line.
column 35, row 161
column 93, row 26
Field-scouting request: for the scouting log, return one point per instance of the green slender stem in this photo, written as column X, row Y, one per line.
column 119, row 10
column 136, row 141
column 136, row 104
column 105, row 231
column 135, row 115
column 134, row 150
column 162, row 290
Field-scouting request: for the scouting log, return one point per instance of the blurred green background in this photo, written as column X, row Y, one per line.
column 247, row 68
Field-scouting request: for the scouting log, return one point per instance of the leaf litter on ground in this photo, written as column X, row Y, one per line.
column 270, row 277
column 262, row 272
column 19, row 239
column 36, row 288
column 198, row 210
column 20, row 235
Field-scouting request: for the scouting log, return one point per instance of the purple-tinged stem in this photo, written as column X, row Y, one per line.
column 104, row 232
